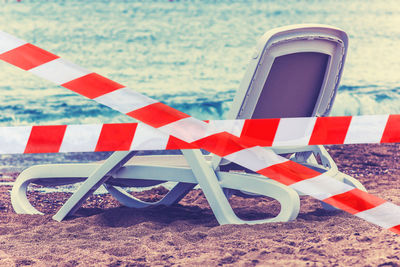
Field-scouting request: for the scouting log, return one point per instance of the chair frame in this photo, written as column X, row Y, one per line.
column 205, row 170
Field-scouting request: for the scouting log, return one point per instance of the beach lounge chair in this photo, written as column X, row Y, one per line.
column 294, row 72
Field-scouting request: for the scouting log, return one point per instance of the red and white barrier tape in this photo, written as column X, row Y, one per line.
column 188, row 129
column 262, row 132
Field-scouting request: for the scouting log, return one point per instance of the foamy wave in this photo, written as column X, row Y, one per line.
column 351, row 104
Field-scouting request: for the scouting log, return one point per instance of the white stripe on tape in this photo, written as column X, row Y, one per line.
column 188, row 129
column 59, row 71
column 148, row 138
column 14, row 139
column 321, row 187
column 256, row 158
column 125, row 100
column 294, row 131
column 386, row 215
column 234, row 127
column 9, row 42
column 80, row 138
column 366, row 129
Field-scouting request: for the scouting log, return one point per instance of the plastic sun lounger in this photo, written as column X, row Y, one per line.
column 294, row 72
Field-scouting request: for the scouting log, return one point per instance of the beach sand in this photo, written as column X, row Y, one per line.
column 103, row 233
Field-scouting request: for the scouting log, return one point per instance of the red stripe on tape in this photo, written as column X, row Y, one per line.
column 45, row 139
column 260, row 131
column 354, row 201
column 27, row 56
column 288, row 172
column 330, row 130
column 175, row 143
column 395, row 229
column 391, row 134
column 157, row 114
column 117, row 136
column 92, row 85
column 221, row 144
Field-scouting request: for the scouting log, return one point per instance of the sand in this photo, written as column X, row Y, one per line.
column 103, row 233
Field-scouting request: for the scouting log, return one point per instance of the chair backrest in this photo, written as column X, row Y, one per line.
column 294, row 72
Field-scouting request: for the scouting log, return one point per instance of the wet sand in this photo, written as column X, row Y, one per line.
column 104, row 233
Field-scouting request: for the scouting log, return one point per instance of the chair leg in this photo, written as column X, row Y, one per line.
column 262, row 186
column 347, row 180
column 94, row 181
column 212, row 187
column 44, row 174
column 212, row 190
column 19, row 199
column 172, row 197
column 333, row 171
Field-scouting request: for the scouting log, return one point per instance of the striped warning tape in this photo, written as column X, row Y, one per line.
column 188, row 129
column 261, row 132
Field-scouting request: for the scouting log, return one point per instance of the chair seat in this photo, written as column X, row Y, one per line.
column 162, row 160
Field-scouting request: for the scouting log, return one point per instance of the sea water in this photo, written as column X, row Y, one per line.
column 188, row 54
